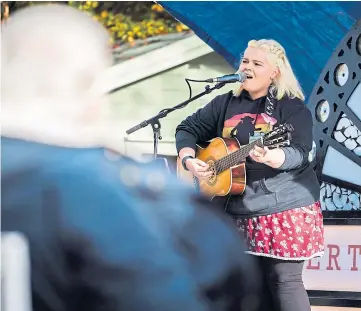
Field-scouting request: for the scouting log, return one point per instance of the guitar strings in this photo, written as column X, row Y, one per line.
column 240, row 155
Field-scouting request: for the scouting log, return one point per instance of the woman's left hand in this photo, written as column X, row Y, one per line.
column 271, row 157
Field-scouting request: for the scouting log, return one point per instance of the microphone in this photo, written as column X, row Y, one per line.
column 237, row 77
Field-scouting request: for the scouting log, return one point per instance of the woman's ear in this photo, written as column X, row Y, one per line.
column 275, row 73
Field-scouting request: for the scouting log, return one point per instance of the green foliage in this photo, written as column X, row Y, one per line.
column 126, row 21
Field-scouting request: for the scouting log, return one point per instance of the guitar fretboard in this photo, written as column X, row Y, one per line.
column 236, row 157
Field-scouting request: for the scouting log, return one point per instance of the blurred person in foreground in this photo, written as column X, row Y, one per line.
column 103, row 234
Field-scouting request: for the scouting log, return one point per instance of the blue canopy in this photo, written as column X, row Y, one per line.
column 309, row 31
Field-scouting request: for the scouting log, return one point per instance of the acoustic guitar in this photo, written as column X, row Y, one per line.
column 226, row 159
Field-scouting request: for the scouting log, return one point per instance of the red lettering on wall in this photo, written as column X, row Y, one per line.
column 311, row 267
column 333, row 256
column 354, row 248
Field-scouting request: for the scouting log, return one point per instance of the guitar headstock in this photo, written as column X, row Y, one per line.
column 280, row 136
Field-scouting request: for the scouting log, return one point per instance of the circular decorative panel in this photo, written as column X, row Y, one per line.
column 341, row 74
column 336, row 108
column 322, row 111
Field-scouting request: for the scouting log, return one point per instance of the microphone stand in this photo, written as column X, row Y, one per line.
column 155, row 123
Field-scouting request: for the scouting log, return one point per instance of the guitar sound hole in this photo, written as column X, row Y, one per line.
column 212, row 167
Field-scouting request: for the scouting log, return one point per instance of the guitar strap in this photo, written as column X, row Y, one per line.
column 270, row 104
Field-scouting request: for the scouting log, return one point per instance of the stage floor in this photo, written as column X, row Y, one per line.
column 333, row 309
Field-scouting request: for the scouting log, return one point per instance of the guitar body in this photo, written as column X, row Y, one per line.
column 230, row 181
column 226, row 159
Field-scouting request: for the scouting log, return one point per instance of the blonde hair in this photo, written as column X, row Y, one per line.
column 286, row 82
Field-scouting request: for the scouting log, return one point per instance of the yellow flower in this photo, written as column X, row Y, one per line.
column 104, row 14
column 95, row 4
column 184, row 27
column 136, row 28
column 157, row 8
column 179, row 28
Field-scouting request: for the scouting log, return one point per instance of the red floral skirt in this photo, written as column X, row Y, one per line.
column 296, row 234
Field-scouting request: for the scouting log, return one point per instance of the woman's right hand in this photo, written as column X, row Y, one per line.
column 198, row 168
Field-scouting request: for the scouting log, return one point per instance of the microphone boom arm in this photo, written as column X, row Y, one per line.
column 154, row 121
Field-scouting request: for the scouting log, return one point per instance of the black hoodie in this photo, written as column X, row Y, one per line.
column 268, row 190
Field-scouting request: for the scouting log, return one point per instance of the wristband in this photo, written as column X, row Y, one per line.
column 184, row 161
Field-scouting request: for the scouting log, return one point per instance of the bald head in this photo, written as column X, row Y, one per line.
column 53, row 52
column 53, row 62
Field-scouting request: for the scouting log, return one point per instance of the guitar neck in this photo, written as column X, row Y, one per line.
column 237, row 157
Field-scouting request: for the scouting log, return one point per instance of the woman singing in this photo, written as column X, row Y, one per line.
column 279, row 213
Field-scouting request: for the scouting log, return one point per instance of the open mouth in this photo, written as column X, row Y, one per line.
column 249, row 77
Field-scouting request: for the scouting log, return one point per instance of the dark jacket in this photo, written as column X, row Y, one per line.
column 108, row 235
column 268, row 190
